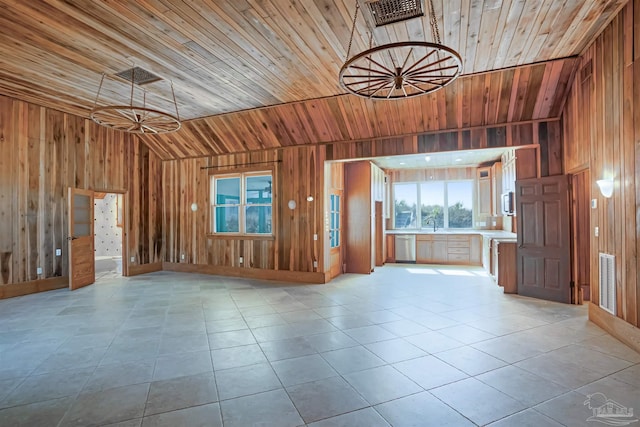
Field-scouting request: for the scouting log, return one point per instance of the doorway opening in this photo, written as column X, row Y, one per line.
column 108, row 234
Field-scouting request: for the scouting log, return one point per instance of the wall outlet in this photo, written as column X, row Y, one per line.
column 596, row 231
column 182, row 256
column 58, row 252
column 493, row 223
column 315, row 264
column 39, row 270
column 315, row 237
column 133, row 259
column 241, row 260
column 594, row 203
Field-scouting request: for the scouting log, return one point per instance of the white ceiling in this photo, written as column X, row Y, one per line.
column 466, row 158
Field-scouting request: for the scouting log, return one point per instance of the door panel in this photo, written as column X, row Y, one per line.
column 81, row 239
column 543, row 255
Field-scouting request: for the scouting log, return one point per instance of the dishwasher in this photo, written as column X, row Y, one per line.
column 405, row 248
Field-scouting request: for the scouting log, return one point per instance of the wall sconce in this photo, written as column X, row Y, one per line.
column 292, row 204
column 606, row 187
column 194, row 207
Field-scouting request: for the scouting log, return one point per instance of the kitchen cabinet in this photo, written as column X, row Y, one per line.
column 484, row 192
column 504, row 265
column 486, row 253
column 496, row 189
column 461, row 249
column 391, row 248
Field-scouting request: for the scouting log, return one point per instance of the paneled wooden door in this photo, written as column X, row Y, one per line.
column 544, row 248
column 82, row 268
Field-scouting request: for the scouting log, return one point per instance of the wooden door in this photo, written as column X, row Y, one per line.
column 81, row 253
column 358, row 211
column 335, row 232
column 543, row 253
column 580, row 236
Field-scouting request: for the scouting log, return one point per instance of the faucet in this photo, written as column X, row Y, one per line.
column 433, row 221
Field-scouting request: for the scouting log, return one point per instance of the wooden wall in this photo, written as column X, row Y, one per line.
column 42, row 153
column 601, row 126
column 298, row 173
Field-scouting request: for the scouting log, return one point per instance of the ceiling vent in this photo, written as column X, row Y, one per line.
column 386, row 12
column 138, row 75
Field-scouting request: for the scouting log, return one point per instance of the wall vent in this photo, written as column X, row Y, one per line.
column 608, row 283
column 138, row 75
column 386, row 12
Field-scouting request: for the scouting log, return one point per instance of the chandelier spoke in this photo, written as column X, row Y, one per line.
column 382, row 87
column 433, row 64
column 418, row 88
column 370, row 59
column 430, row 82
column 421, row 60
column 371, row 70
column 374, row 86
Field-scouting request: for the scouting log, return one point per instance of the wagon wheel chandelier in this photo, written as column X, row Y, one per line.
column 400, row 70
column 135, row 118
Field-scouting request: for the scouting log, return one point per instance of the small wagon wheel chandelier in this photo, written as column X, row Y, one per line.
column 402, row 69
column 135, row 118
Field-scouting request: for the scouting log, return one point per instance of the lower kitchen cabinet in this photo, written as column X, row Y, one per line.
column 460, row 249
column 505, row 268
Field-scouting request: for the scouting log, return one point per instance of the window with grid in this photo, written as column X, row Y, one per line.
column 241, row 203
column 448, row 204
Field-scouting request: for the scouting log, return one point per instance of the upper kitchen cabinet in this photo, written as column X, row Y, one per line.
column 484, row 192
column 489, row 181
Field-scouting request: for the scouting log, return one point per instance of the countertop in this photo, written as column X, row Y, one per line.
column 494, row 234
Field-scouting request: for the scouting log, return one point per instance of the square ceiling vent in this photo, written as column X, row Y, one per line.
column 386, row 12
column 138, row 75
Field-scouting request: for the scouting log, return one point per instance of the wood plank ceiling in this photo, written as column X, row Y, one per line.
column 229, row 56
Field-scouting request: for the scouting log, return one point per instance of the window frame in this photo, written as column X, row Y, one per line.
column 418, row 213
column 242, row 204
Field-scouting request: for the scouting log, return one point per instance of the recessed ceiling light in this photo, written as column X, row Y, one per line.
column 458, row 159
column 427, row 158
column 402, row 163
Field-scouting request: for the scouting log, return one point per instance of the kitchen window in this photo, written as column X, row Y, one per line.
column 445, row 204
column 241, row 203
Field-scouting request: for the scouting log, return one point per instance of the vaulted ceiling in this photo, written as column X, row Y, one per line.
column 254, row 74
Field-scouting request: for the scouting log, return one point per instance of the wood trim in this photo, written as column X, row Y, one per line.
column 240, row 237
column 135, row 270
column 249, row 273
column 615, row 326
column 34, row 286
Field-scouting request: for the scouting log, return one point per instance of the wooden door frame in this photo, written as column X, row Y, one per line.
column 340, row 248
column 125, row 226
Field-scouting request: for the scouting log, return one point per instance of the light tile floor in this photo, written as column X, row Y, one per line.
column 405, row 346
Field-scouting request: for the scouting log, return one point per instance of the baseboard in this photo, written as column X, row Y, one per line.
column 249, row 273
column 618, row 328
column 33, row 287
column 135, row 270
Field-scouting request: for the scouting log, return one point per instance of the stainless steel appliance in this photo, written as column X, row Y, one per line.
column 405, row 248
